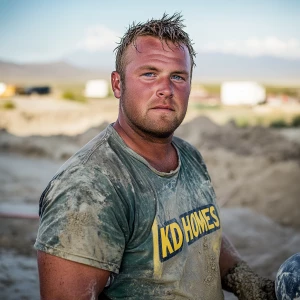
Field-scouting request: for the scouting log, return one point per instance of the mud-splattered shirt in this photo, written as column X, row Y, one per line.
column 159, row 233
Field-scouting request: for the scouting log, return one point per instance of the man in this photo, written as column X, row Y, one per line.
column 133, row 214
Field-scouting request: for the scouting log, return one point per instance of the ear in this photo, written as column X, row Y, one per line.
column 116, row 84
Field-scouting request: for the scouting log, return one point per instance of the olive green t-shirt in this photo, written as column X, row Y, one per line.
column 158, row 233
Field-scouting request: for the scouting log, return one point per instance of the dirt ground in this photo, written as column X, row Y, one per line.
column 255, row 172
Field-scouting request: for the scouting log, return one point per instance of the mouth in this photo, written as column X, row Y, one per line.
column 163, row 107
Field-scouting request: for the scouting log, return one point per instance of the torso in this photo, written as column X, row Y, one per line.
column 159, row 232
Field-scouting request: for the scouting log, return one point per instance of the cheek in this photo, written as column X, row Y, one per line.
column 184, row 93
column 138, row 94
column 132, row 99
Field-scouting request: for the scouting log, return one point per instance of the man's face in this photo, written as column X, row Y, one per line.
column 154, row 96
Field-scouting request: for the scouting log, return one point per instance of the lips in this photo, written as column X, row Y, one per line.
column 164, row 107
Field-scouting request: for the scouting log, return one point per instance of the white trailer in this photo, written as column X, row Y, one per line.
column 97, row 88
column 242, row 93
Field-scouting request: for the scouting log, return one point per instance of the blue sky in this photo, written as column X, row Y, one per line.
column 44, row 30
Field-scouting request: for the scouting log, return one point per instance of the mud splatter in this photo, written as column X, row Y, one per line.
column 247, row 285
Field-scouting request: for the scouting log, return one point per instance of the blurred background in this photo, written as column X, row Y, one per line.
column 56, row 58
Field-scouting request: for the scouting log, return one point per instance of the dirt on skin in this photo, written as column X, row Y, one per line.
column 255, row 172
column 247, row 285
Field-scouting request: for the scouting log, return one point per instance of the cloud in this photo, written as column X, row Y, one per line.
column 99, row 38
column 271, row 46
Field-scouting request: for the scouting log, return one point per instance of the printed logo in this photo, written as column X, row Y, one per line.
column 193, row 225
column 170, row 239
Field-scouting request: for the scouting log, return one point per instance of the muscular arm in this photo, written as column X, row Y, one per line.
column 65, row 279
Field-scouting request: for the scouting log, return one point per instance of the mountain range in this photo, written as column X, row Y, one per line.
column 45, row 73
column 210, row 68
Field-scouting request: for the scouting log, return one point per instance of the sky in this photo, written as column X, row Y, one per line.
column 47, row 31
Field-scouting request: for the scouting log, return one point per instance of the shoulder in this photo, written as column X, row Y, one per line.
column 99, row 156
column 92, row 170
column 100, row 171
column 88, row 152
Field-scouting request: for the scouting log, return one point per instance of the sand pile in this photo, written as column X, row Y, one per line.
column 58, row 147
column 204, row 134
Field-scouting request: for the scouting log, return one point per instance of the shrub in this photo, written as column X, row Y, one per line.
column 202, row 106
column 69, row 95
column 296, row 121
column 279, row 123
column 242, row 122
column 9, row 105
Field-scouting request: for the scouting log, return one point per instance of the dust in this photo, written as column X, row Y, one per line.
column 91, row 290
column 75, row 229
column 212, row 269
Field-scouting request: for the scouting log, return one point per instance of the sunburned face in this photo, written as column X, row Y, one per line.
column 154, row 96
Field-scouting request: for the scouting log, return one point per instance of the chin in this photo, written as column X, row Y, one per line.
column 160, row 132
column 162, row 128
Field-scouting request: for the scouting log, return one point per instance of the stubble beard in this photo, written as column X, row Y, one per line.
column 160, row 129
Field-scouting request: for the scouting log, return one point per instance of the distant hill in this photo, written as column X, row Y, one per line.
column 266, row 69
column 46, row 73
column 211, row 67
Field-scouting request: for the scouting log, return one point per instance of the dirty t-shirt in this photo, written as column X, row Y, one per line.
column 159, row 233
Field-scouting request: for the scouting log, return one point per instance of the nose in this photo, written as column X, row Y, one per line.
column 164, row 88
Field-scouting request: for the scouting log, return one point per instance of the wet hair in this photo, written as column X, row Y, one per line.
column 168, row 29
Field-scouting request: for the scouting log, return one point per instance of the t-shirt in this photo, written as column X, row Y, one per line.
column 158, row 233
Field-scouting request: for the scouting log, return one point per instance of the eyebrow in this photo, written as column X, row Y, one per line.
column 146, row 67
column 151, row 68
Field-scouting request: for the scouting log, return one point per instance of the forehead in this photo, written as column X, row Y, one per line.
column 152, row 48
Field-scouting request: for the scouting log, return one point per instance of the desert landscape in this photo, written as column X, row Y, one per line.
column 255, row 171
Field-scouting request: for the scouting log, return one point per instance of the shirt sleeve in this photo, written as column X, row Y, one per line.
column 83, row 219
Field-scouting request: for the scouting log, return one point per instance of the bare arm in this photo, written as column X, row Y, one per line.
column 65, row 279
column 229, row 256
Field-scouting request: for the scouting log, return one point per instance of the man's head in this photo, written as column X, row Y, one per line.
column 153, row 77
column 167, row 29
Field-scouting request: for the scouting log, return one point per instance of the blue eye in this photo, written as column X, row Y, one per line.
column 177, row 77
column 149, row 74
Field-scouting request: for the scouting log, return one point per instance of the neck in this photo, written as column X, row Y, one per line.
column 159, row 152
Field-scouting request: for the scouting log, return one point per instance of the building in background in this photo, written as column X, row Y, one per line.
column 242, row 93
column 7, row 90
column 97, row 88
